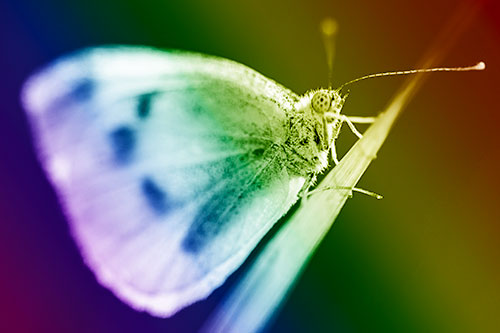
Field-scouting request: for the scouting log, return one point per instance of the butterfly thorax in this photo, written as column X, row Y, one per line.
column 314, row 126
column 307, row 144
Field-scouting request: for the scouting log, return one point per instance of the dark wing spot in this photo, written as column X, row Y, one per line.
column 258, row 152
column 79, row 93
column 123, row 142
column 208, row 223
column 82, row 90
column 225, row 204
column 155, row 196
column 220, row 208
column 144, row 105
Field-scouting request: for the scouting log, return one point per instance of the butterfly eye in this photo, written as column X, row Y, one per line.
column 321, row 101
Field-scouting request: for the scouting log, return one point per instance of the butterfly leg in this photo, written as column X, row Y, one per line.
column 353, row 120
column 358, row 120
column 304, row 191
column 334, row 154
column 351, row 126
column 362, row 120
column 352, row 189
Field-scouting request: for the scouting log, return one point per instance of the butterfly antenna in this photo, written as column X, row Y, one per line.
column 477, row 67
column 329, row 29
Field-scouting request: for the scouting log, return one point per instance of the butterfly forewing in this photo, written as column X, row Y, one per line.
column 168, row 164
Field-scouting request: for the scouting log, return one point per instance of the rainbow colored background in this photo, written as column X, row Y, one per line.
column 424, row 259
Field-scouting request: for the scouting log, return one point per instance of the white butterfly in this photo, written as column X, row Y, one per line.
column 171, row 166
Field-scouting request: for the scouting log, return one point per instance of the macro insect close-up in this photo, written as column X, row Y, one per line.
column 182, row 180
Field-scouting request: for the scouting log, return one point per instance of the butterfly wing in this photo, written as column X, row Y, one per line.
column 168, row 165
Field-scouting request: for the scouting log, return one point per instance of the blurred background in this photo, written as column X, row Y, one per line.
column 424, row 259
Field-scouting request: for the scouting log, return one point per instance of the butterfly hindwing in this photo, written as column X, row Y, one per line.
column 168, row 166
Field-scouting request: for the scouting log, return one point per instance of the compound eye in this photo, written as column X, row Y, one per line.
column 321, row 101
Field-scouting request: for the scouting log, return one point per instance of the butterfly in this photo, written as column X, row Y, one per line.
column 171, row 166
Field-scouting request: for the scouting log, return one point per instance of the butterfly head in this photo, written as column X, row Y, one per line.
column 326, row 101
column 322, row 108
